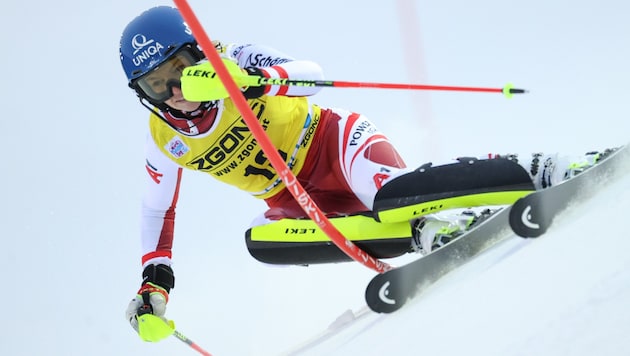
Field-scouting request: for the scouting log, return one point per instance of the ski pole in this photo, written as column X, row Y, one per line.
column 158, row 328
column 508, row 90
column 190, row 343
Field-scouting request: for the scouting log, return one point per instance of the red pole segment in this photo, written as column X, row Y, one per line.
column 344, row 84
column 190, row 343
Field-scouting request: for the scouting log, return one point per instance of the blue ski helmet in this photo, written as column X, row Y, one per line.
column 152, row 38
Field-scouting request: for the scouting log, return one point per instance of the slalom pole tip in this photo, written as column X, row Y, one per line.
column 509, row 90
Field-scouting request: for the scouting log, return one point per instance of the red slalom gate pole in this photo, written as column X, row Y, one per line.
column 289, row 179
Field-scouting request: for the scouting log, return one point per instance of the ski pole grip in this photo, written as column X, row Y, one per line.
column 146, row 308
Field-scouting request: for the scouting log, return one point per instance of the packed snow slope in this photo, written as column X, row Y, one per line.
column 73, row 172
column 565, row 293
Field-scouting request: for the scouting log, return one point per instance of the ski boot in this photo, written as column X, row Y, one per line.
column 431, row 232
column 547, row 170
column 587, row 161
column 550, row 170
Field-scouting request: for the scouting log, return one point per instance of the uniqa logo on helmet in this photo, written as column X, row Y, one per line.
column 144, row 49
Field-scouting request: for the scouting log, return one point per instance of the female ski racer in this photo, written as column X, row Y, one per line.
column 340, row 157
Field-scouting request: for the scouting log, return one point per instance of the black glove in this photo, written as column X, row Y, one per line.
column 253, row 92
column 152, row 298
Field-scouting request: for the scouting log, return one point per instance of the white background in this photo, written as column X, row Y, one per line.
column 73, row 166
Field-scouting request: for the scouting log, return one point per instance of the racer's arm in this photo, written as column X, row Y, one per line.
column 158, row 221
column 274, row 64
column 158, row 206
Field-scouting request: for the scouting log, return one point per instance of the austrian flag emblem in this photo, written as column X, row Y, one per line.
column 176, row 147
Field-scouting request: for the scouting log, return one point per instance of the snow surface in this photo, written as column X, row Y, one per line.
column 73, row 171
column 566, row 293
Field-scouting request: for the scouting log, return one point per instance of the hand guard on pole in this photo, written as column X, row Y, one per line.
column 201, row 82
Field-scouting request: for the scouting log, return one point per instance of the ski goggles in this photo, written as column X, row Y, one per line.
column 157, row 85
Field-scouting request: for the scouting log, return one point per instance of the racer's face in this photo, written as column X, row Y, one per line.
column 163, row 85
column 178, row 102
